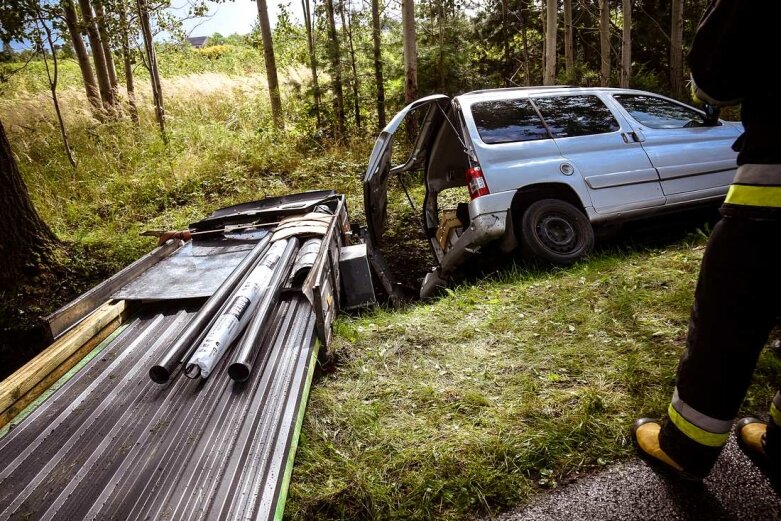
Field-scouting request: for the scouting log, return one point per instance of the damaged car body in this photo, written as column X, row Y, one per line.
column 542, row 167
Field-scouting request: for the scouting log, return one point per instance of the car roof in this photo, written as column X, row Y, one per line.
column 523, row 92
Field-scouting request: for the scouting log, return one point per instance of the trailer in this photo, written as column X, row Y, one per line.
column 176, row 389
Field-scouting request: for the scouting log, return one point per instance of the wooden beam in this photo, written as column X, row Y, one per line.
column 20, row 383
column 30, row 396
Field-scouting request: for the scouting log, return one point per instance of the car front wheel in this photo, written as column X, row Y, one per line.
column 556, row 232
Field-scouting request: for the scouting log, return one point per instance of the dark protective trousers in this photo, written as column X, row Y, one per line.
column 736, row 305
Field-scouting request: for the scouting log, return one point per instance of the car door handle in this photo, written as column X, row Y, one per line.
column 632, row 137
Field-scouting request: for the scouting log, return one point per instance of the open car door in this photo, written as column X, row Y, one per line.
column 428, row 114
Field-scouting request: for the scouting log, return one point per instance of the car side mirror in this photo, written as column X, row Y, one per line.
column 712, row 113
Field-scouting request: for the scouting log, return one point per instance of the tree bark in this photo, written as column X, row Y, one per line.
column 127, row 62
column 410, row 51
column 604, row 42
column 151, row 62
column 336, row 71
column 271, row 64
column 53, row 79
column 105, row 40
column 90, row 85
column 676, row 48
column 310, row 43
column 98, row 56
column 569, row 45
column 347, row 28
column 25, row 240
column 626, row 45
column 378, row 64
column 525, row 40
column 551, row 19
column 506, row 57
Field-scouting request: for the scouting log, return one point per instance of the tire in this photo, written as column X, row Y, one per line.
column 553, row 231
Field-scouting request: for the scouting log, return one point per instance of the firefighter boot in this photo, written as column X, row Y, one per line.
column 751, row 436
column 646, row 434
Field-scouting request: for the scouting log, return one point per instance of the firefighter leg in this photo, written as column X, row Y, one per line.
column 735, row 305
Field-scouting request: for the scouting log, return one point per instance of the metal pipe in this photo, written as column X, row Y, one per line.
column 241, row 367
column 241, row 307
column 161, row 372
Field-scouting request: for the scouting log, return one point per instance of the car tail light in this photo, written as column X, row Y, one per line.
column 476, row 182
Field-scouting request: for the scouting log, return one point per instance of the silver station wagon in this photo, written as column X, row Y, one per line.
column 544, row 165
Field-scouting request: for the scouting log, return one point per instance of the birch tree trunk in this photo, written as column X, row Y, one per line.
column 378, row 64
column 676, row 48
column 604, row 42
column 87, row 75
column 569, row 40
column 271, row 64
column 310, row 43
column 551, row 19
column 336, row 71
column 626, row 45
column 410, row 51
column 96, row 46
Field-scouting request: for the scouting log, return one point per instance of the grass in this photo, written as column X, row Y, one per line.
column 447, row 410
column 501, row 389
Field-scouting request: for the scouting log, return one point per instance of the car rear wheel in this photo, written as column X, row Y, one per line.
column 556, row 232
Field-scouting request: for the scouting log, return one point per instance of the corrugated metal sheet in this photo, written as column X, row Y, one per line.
column 110, row 444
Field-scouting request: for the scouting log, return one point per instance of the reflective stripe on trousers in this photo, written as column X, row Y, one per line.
column 756, row 185
column 700, row 427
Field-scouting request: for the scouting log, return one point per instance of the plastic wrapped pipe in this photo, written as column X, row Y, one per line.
column 241, row 367
column 305, row 259
column 236, row 314
column 161, row 372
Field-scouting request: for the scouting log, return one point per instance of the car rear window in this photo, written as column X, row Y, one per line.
column 508, row 121
column 570, row 116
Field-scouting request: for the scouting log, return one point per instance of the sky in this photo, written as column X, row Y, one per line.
column 232, row 16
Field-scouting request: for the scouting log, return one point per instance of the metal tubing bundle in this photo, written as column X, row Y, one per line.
column 193, row 334
column 239, row 309
column 241, row 367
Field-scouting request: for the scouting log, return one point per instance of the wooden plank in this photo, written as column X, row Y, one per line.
column 70, row 314
column 41, row 387
column 28, row 376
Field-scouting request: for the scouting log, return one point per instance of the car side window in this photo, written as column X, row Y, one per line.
column 508, row 121
column 570, row 116
column 659, row 113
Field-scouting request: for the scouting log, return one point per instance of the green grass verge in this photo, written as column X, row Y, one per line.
column 471, row 404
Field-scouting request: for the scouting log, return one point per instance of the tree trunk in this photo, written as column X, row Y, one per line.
column 151, row 62
column 551, row 19
column 410, row 51
column 53, row 79
column 25, row 240
column 128, row 62
column 347, row 28
column 336, row 71
column 525, row 39
column 569, row 45
column 506, row 58
column 91, row 86
column 98, row 56
column 271, row 64
column 310, row 43
column 604, row 42
column 626, row 45
column 105, row 40
column 378, row 64
column 676, row 48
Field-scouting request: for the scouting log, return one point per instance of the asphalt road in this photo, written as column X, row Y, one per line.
column 735, row 489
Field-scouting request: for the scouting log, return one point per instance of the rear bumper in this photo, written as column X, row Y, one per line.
column 488, row 222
